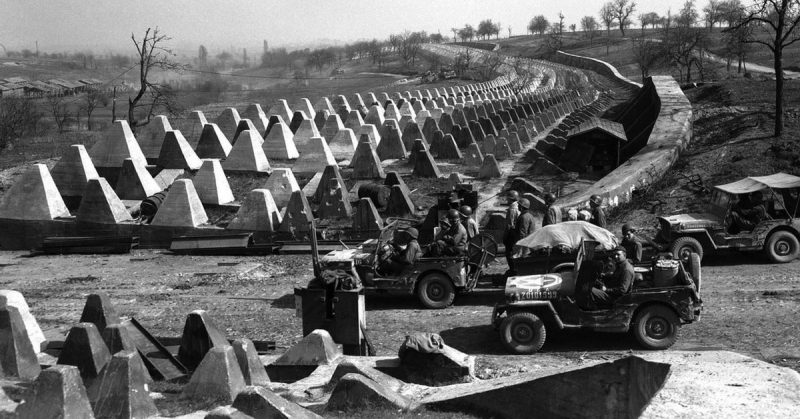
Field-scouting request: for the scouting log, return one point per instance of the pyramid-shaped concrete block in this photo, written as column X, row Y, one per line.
column 524, row 135
column 212, row 184
column 176, row 153
column 260, row 402
column 312, row 187
column 514, row 142
column 151, row 136
column 340, row 104
column 400, row 204
column 370, row 131
column 305, row 106
column 218, row 378
column 279, row 143
column 247, row 125
column 392, row 112
column 354, row 121
column 280, row 108
column 355, row 392
column 85, row 349
column 249, row 363
column 501, row 150
column 58, row 392
column 257, row 213
column 429, row 127
column 256, row 114
column 316, row 348
column 17, row 356
column 358, row 101
column 228, row 121
column 117, row 338
column 73, row 170
column 121, row 390
column 366, row 216
column 335, row 203
column 489, row 144
column 315, row 157
column 135, row 182
column 100, row 205
column 117, row 145
column 212, row 143
column 365, row 161
column 11, row 298
column 449, row 149
column 200, row 334
column 436, row 142
column 446, row 123
column 193, row 127
column 330, row 173
column 247, row 155
column 419, row 145
column 181, row 207
column 407, row 109
column 473, row 156
column 304, row 133
column 333, row 124
column 319, row 120
column 405, row 121
column 425, row 166
column 324, row 104
column 297, row 217
column 282, row 184
column 375, row 115
column 410, row 134
column 391, row 146
column 33, row 197
column 343, row 144
column 489, row 168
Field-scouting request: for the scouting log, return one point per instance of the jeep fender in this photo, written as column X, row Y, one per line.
column 542, row 308
column 762, row 240
column 701, row 235
column 654, row 303
column 563, row 266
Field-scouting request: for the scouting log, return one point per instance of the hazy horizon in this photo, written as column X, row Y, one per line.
column 103, row 26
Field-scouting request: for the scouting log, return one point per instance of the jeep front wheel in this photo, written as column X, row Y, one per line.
column 656, row 327
column 685, row 246
column 436, row 291
column 523, row 333
column 782, row 247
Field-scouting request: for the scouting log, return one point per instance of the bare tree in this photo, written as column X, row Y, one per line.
column 589, row 27
column 622, row 10
column 713, row 13
column 777, row 21
column 607, row 17
column 648, row 54
column 18, row 116
column 151, row 96
column 94, row 98
column 59, row 110
column 538, row 24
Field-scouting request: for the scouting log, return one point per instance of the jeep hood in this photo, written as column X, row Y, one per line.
column 691, row 221
column 532, row 287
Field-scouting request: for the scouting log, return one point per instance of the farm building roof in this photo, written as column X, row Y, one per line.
column 610, row 127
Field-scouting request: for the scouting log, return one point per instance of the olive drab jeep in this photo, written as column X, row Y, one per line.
column 778, row 236
column 664, row 296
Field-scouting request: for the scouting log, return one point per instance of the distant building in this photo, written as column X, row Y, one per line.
column 594, row 146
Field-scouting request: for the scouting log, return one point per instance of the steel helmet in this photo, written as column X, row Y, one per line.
column 524, row 203
column 465, row 210
column 411, row 231
column 549, row 198
column 453, row 214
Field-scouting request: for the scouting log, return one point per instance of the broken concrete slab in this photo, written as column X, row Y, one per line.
column 257, row 213
column 135, row 182
column 151, row 136
column 73, row 170
column 247, row 155
column 253, row 370
column 212, row 143
column 176, row 153
column 200, row 334
column 11, row 298
column 117, row 145
column 228, row 121
column 181, row 207
column 58, row 392
column 279, row 143
column 17, row 355
column 34, row 196
column 314, row 157
column 282, row 184
column 489, row 168
column 438, row 365
column 355, row 391
column 121, row 390
column 297, row 217
column 217, row 378
column 85, row 349
column 260, row 402
column 316, row 348
column 212, row 184
column 100, row 205
column 365, row 161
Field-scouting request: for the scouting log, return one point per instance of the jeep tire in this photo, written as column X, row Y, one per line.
column 656, row 327
column 695, row 270
column 684, row 246
column 782, row 247
column 523, row 333
column 436, row 291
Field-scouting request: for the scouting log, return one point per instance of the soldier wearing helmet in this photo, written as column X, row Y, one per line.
column 598, row 216
column 452, row 238
column 468, row 222
column 552, row 214
column 631, row 243
column 405, row 252
column 509, row 238
column 526, row 224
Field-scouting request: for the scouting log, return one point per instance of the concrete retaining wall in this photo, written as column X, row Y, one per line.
column 671, row 134
column 593, row 64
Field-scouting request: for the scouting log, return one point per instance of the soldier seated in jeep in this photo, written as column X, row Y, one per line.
column 610, row 286
column 400, row 253
column 748, row 211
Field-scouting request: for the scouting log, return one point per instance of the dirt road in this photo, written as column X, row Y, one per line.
column 749, row 306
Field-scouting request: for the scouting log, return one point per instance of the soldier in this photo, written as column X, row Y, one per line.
column 451, row 240
column 631, row 243
column 405, row 252
column 469, row 223
column 613, row 285
column 525, row 225
column 598, row 216
column 552, row 214
column 509, row 238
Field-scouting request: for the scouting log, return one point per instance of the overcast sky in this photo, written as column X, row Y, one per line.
column 101, row 25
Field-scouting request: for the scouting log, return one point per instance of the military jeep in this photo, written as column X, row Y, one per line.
column 653, row 311
column 711, row 231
